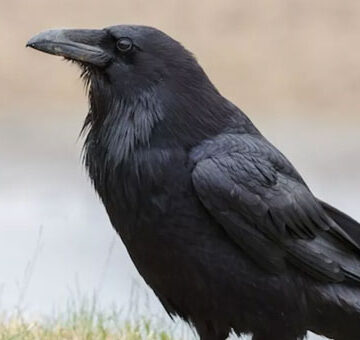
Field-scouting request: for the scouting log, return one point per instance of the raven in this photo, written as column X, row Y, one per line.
column 216, row 220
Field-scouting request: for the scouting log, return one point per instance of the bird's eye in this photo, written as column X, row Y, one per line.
column 124, row 45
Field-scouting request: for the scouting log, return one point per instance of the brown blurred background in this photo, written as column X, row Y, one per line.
column 293, row 66
column 293, row 57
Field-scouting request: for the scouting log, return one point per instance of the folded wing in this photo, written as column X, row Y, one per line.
column 265, row 207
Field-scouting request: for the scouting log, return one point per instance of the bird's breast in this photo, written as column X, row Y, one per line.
column 142, row 192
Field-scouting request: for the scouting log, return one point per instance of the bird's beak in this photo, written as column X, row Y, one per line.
column 75, row 44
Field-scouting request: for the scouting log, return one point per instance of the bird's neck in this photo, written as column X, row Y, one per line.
column 122, row 124
column 162, row 117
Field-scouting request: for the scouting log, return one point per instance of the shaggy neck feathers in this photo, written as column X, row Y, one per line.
column 176, row 115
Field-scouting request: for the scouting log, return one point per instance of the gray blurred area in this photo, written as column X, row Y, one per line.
column 292, row 66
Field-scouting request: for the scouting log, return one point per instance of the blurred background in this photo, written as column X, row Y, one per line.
column 292, row 66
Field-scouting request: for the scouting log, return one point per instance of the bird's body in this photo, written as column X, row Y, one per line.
column 216, row 220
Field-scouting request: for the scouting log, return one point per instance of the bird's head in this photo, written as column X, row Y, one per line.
column 140, row 73
column 129, row 58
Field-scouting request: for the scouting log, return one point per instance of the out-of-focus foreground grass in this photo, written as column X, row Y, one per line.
column 83, row 328
column 84, row 321
column 80, row 329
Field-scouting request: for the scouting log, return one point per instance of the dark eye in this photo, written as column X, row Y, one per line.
column 124, row 45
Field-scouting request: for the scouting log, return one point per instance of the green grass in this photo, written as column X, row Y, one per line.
column 83, row 322
column 18, row 329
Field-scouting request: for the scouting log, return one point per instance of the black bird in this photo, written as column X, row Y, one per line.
column 217, row 221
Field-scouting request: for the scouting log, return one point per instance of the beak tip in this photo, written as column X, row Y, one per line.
column 42, row 37
column 32, row 42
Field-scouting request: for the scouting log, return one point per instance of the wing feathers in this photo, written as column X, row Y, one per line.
column 268, row 211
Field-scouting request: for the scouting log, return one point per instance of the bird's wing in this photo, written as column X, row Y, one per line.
column 265, row 207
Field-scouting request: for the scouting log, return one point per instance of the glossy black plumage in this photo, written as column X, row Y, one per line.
column 217, row 221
